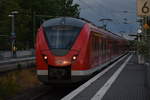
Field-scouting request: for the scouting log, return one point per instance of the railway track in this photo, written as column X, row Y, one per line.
column 11, row 64
column 37, row 97
column 16, row 60
column 54, row 93
column 32, row 93
column 43, row 92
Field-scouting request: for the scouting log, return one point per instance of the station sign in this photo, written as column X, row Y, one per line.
column 143, row 7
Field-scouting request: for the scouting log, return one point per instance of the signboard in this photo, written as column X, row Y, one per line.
column 146, row 26
column 143, row 7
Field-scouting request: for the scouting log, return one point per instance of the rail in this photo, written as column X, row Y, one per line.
column 15, row 63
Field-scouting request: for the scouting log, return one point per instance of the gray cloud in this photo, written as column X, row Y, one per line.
column 94, row 10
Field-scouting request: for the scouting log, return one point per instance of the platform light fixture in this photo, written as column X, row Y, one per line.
column 13, row 34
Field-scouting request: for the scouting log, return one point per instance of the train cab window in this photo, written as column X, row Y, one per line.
column 61, row 37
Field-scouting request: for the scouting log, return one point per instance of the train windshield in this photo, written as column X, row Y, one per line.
column 61, row 37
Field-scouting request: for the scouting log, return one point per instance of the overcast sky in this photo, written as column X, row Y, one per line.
column 94, row 10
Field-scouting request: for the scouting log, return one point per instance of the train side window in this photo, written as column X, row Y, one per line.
column 102, row 47
column 93, row 43
column 98, row 47
column 105, row 48
column 96, row 44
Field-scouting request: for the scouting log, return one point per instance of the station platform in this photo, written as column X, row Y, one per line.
column 16, row 59
column 8, row 64
column 127, row 80
column 131, row 83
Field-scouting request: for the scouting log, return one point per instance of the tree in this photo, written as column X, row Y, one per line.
column 25, row 19
column 143, row 48
column 6, row 6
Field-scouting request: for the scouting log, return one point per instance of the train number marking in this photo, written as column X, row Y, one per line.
column 145, row 8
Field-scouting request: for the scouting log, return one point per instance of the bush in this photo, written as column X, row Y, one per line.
column 17, row 81
column 143, row 48
column 8, row 86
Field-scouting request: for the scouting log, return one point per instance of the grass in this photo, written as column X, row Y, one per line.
column 14, row 82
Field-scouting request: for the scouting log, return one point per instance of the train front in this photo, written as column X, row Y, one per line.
column 59, row 47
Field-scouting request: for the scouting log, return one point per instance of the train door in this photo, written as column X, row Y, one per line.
column 92, row 49
column 106, row 48
column 100, row 50
column 97, row 49
column 103, row 50
column 110, row 48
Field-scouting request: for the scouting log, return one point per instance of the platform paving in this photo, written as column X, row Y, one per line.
column 129, row 85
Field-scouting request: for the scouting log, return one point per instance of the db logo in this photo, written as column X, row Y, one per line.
column 59, row 62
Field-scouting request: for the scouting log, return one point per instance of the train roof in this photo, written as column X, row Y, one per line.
column 104, row 30
column 64, row 21
column 78, row 22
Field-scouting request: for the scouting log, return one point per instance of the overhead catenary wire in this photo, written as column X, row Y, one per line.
column 100, row 14
column 116, row 15
column 89, row 7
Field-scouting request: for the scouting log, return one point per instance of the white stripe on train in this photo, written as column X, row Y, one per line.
column 79, row 73
column 75, row 73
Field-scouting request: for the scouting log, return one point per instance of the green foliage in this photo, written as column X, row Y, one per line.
column 24, row 26
column 132, row 45
column 8, row 86
column 143, row 48
column 14, row 82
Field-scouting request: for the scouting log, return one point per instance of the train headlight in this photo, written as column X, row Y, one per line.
column 45, row 57
column 74, row 57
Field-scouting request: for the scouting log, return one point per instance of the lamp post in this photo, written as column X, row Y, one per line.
column 13, row 34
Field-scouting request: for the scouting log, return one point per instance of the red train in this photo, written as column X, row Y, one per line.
column 69, row 50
